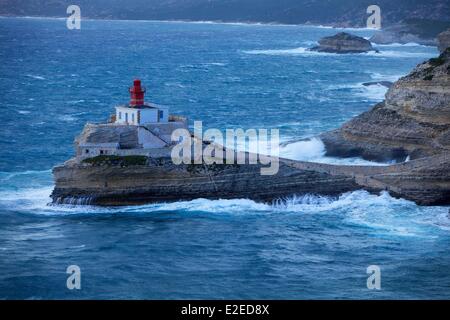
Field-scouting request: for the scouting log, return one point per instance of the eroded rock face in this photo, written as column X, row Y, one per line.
column 413, row 121
column 444, row 40
column 425, row 181
column 125, row 136
column 343, row 43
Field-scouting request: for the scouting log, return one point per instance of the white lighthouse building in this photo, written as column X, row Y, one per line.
column 138, row 112
column 137, row 128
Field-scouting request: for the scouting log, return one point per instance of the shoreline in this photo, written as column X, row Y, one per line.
column 243, row 23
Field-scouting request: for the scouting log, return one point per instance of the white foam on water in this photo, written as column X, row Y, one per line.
column 310, row 43
column 398, row 54
column 67, row 118
column 218, row 64
column 234, row 206
column 313, row 150
column 381, row 213
column 373, row 93
column 396, row 44
column 6, row 175
column 307, row 150
column 76, row 101
column 174, row 84
column 286, row 52
column 304, row 51
column 385, row 77
column 35, row 77
column 25, row 198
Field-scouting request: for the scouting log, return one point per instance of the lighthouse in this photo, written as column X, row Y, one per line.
column 137, row 111
column 136, row 94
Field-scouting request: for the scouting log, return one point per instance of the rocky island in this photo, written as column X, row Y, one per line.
column 343, row 43
column 127, row 161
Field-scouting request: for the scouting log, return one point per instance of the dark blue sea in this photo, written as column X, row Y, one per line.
column 54, row 80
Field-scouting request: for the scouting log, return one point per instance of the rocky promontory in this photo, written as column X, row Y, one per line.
column 443, row 40
column 343, row 43
column 412, row 122
column 133, row 180
column 412, row 127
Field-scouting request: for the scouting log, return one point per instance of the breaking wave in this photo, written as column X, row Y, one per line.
column 380, row 213
column 313, row 150
column 304, row 51
column 285, row 52
column 372, row 93
column 396, row 44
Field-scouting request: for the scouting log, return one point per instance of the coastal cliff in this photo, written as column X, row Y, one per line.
column 158, row 180
column 412, row 122
column 443, row 40
column 125, row 182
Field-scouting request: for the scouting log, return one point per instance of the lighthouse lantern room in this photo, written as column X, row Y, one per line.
column 138, row 112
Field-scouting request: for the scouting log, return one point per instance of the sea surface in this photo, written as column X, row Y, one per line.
column 54, row 80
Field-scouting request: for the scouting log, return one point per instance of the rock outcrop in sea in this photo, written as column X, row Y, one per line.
column 343, row 43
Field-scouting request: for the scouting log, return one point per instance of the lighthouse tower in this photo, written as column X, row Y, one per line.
column 136, row 94
column 138, row 112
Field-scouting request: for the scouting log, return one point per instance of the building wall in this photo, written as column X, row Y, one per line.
column 164, row 112
column 148, row 116
column 127, row 115
column 90, row 152
column 134, row 116
column 164, row 130
column 150, row 152
column 148, row 140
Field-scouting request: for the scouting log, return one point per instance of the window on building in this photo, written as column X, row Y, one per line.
column 132, row 117
column 101, row 151
column 120, row 115
column 161, row 114
column 87, row 150
column 126, row 117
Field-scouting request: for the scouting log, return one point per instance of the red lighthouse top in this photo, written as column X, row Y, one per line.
column 137, row 94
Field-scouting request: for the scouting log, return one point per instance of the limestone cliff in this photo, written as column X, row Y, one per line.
column 125, row 182
column 414, row 119
column 443, row 40
column 343, row 43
